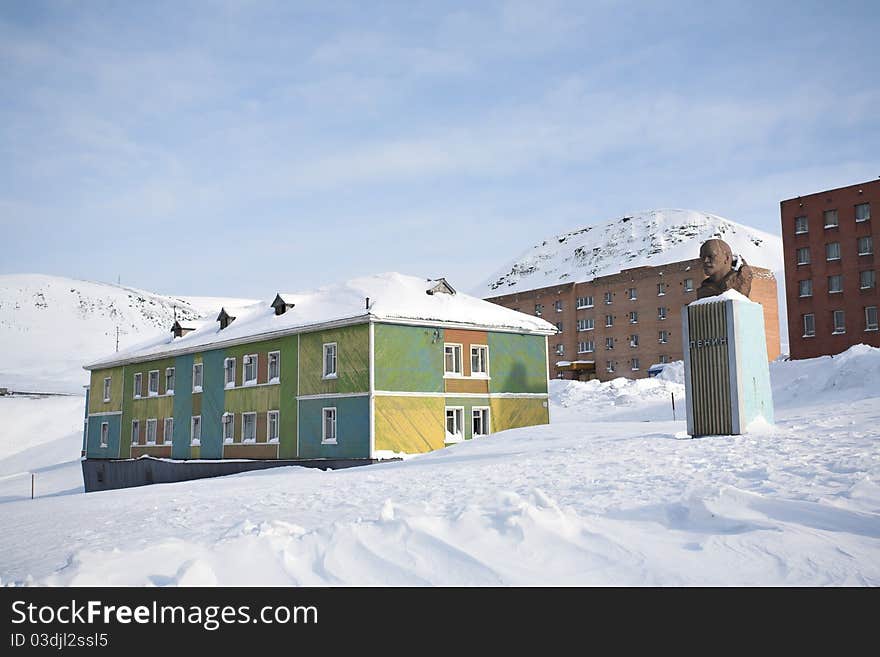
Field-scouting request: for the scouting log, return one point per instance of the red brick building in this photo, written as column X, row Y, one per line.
column 621, row 324
column 830, row 269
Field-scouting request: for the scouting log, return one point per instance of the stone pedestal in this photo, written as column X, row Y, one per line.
column 727, row 376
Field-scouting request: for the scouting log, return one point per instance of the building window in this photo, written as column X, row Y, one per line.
column 805, row 288
column 559, row 326
column 609, row 367
column 632, row 294
column 867, row 279
column 661, row 312
column 866, row 245
column 633, row 317
column 169, row 381
column 168, row 435
column 585, row 347
column 195, row 430
column 248, row 427
column 609, row 320
column 661, row 289
column 539, row 309
column 452, row 356
column 479, row 360
column 105, row 434
column 585, row 302
column 197, row 377
column 608, row 296
column 689, row 285
column 229, row 372
column 839, row 322
column 228, row 422
column 634, row 340
column 153, row 383
column 151, row 431
column 272, row 427
column 831, row 220
column 560, row 349
column 664, row 337
column 135, row 432
column 328, row 426
column 107, row 389
column 454, row 424
column 863, row 212
column 832, row 251
column 558, row 305
column 274, row 366
column 138, row 385
column 871, row 318
column 803, row 255
column 835, row 284
column 800, row 225
column 664, row 359
column 609, row 343
column 480, row 421
column 634, row 364
column 249, row 362
column 809, row 325
column 330, row 360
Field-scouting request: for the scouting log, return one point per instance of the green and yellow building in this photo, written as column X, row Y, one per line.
column 379, row 367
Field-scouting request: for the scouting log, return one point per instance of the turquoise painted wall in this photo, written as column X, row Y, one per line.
column 93, row 441
column 180, row 448
column 517, row 363
column 352, row 428
column 408, row 358
column 212, row 404
column 85, row 422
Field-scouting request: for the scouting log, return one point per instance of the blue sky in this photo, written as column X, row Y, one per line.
column 239, row 148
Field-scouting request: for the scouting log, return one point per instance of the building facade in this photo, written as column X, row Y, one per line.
column 830, row 269
column 363, row 387
column 621, row 324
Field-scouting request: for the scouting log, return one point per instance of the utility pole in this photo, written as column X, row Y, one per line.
column 117, row 337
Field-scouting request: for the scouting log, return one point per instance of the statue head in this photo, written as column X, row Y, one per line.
column 717, row 259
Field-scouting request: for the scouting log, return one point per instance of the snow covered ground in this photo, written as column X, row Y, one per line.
column 604, row 495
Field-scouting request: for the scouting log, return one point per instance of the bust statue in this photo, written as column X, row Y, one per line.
column 723, row 270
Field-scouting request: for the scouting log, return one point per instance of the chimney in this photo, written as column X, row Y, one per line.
column 224, row 318
column 180, row 331
column 368, row 303
column 280, row 305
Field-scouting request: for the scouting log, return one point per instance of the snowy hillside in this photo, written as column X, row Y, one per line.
column 649, row 238
column 607, row 494
column 50, row 326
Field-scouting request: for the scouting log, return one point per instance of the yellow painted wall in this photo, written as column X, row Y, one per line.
column 510, row 413
column 410, row 424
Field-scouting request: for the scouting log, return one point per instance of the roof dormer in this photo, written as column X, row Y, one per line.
column 441, row 286
column 280, row 305
column 179, row 330
column 224, row 318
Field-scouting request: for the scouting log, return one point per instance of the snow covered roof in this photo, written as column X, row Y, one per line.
column 392, row 297
column 650, row 238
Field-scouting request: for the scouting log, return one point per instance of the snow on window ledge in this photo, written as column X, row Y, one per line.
column 197, row 388
column 275, row 379
column 196, row 442
column 330, row 376
column 453, row 438
column 329, row 442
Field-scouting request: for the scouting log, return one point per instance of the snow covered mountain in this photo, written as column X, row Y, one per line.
column 51, row 325
column 650, row 238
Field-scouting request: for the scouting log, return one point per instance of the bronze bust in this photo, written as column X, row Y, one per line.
column 723, row 271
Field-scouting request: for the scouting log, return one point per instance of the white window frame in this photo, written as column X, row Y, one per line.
column 873, row 277
column 839, row 277
column 150, row 391
column 277, row 357
column 825, row 216
column 634, row 364
column 664, row 359
column 809, row 284
column 609, row 367
column 457, row 348
column 609, row 321
column 634, row 341
column 798, row 223
column 868, row 325
column 587, row 302
column 227, row 419
column 834, row 329
column 869, row 241
column 105, row 434
column 803, row 250
column 253, row 360
column 689, row 285
column 194, row 440
column 487, row 428
column 244, row 418
column 633, row 294
column 560, row 349
column 609, row 344
column 830, row 258
column 539, row 309
column 226, row 370
column 663, row 337
column 807, row 333
column 135, row 432
column 633, row 316
column 324, row 349
column 586, row 347
column 662, row 312
column 154, row 423
column 609, row 298
column 458, row 422
column 108, row 385
column 661, row 289
column 200, row 368
column 165, row 424
column 333, row 416
column 276, row 415
column 138, row 383
column 484, row 358
column 856, row 212
column 170, row 370
column 557, row 305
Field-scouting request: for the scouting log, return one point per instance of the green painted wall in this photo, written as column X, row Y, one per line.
column 352, row 361
column 183, row 404
column 408, row 358
column 468, row 403
column 517, row 363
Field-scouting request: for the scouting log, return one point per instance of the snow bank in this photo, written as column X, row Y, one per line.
column 849, row 376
